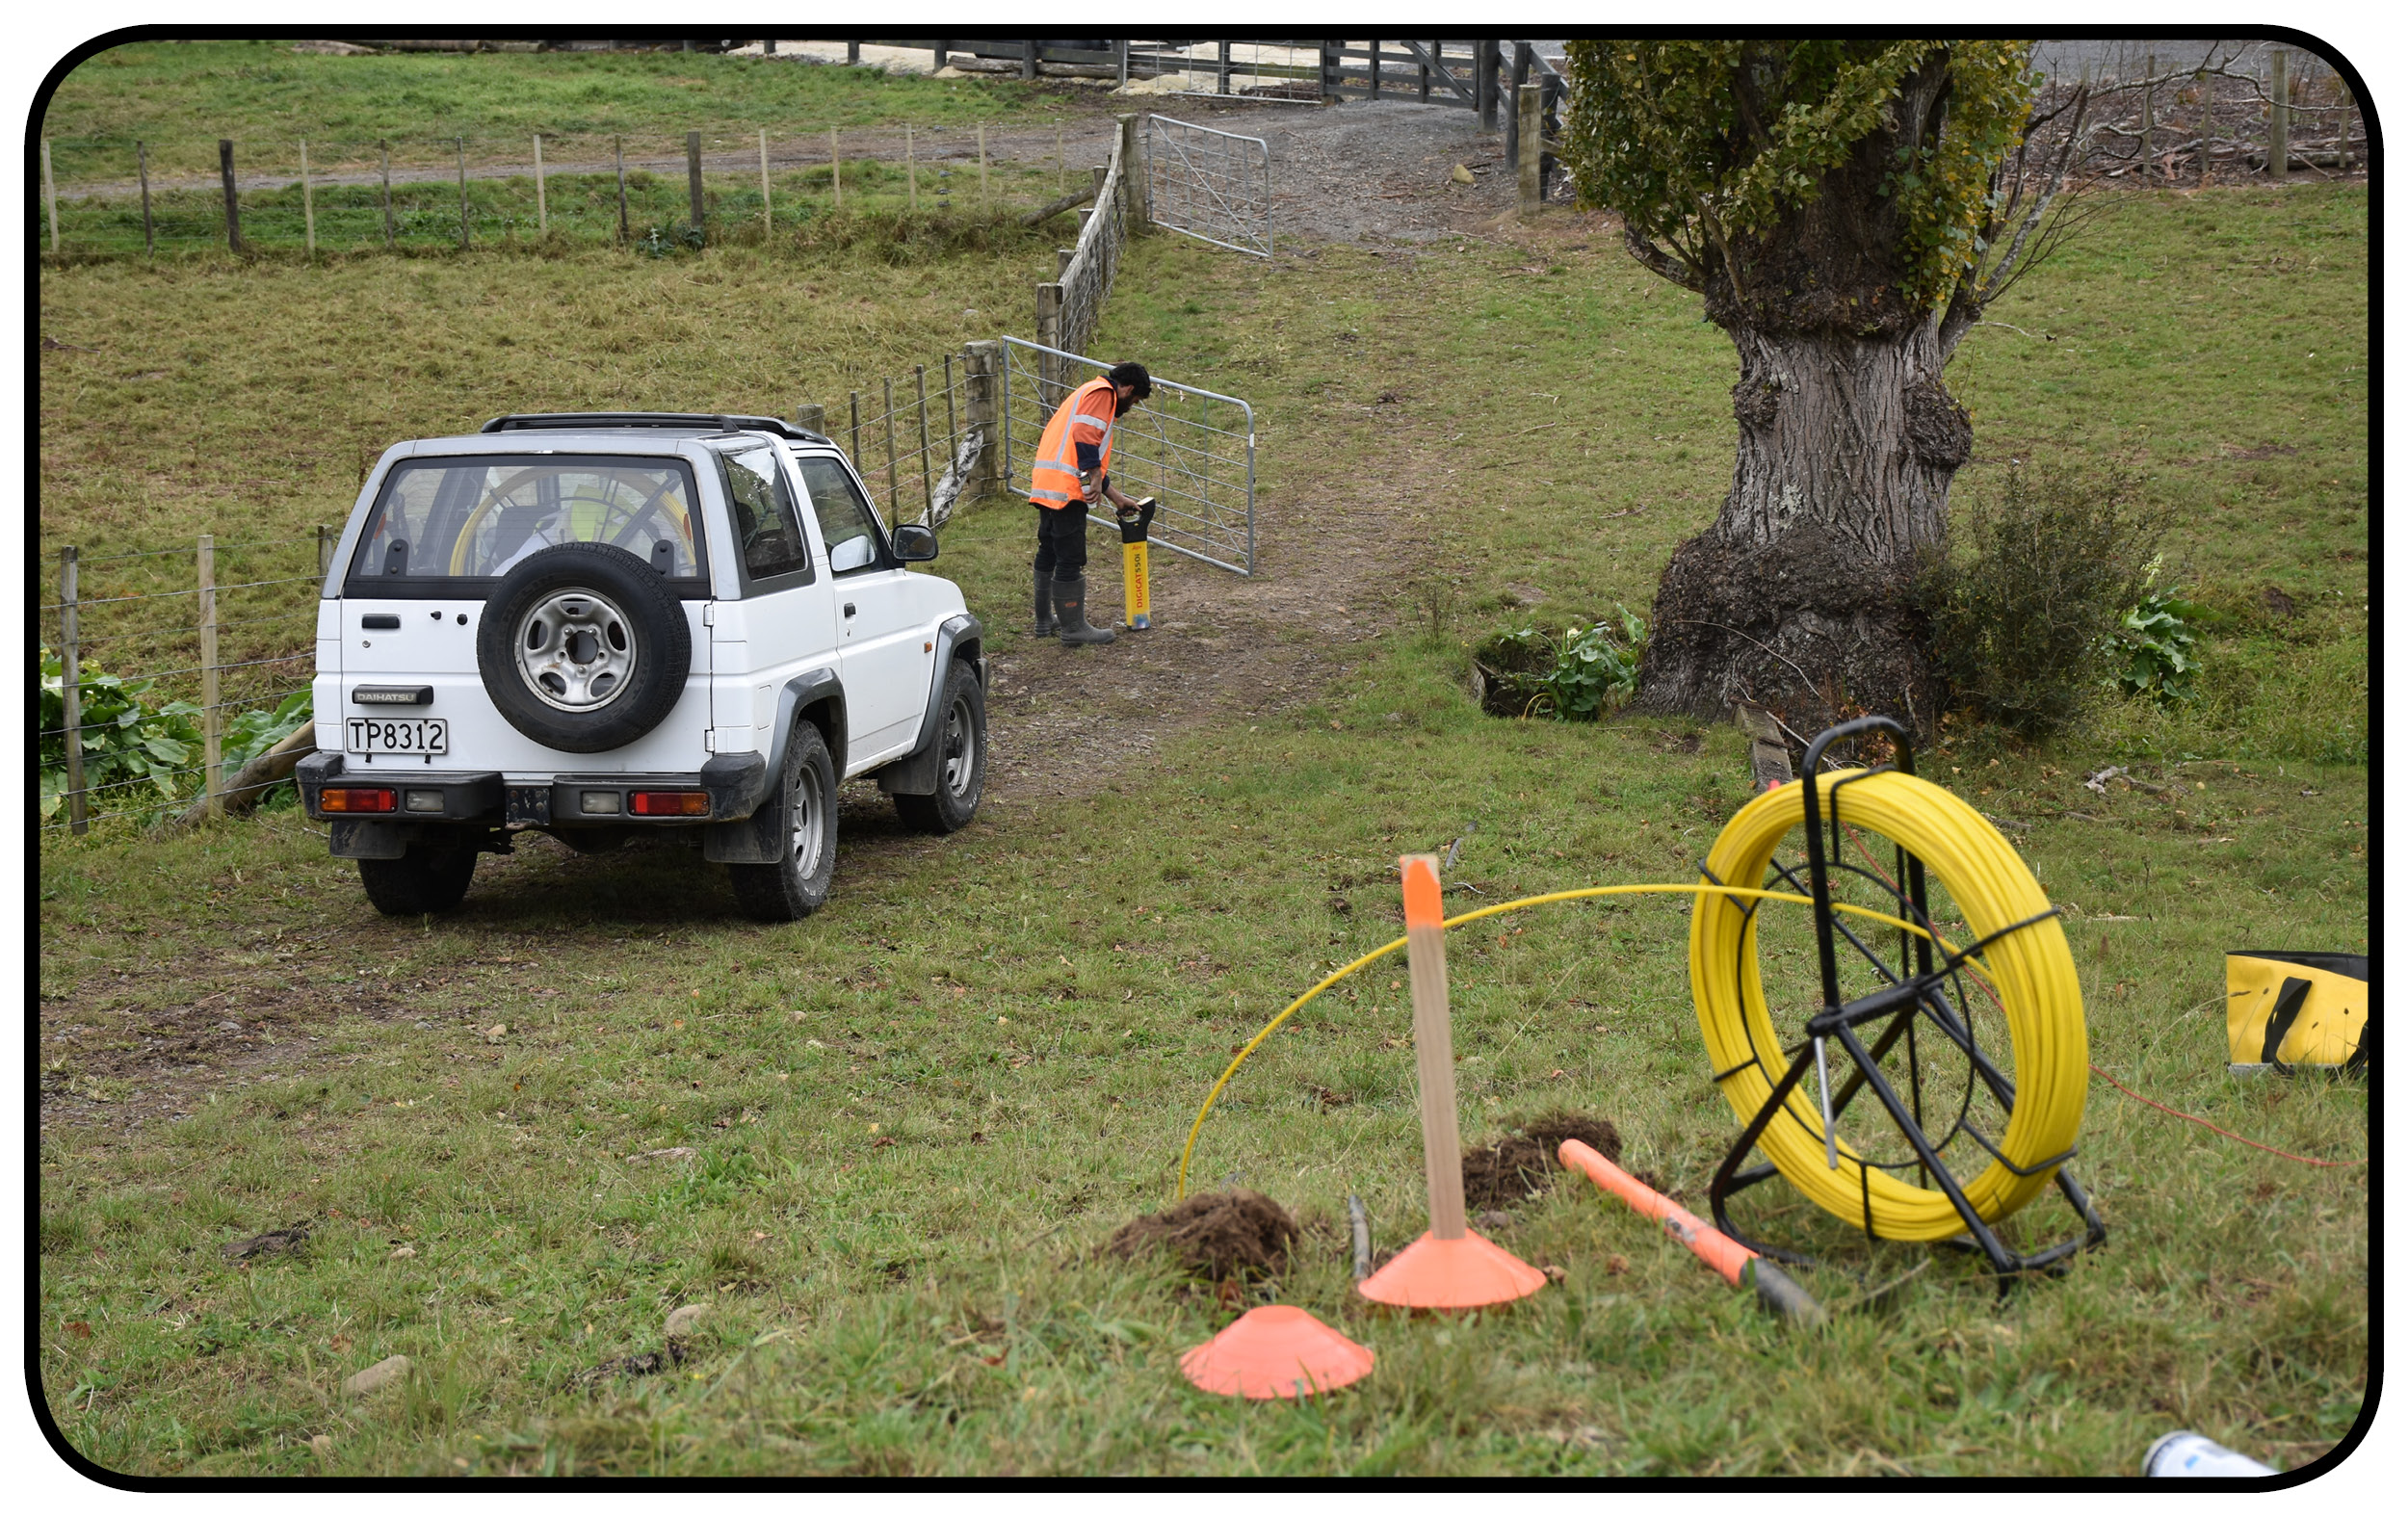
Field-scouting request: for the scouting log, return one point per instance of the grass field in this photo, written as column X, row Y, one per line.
column 916, row 1115
column 181, row 97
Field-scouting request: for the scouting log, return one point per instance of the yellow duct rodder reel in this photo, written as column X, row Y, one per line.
column 1917, row 1042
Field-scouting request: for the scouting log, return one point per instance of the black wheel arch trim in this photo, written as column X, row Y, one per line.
column 750, row 840
column 959, row 636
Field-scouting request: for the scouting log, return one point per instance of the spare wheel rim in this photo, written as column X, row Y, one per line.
column 576, row 650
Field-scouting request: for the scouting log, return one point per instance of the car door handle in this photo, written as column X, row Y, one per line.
column 848, row 607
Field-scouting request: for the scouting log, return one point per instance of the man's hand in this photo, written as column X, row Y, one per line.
column 1091, row 485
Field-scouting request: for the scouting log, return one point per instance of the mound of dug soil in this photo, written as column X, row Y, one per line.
column 1221, row 1235
column 1508, row 1172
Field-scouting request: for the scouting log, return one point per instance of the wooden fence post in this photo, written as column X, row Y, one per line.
column 941, row 51
column 142, row 170
column 1222, row 68
column 911, row 170
column 1513, row 105
column 1120, row 57
column 212, row 723
column 310, row 210
column 983, row 201
column 543, row 212
column 952, row 433
column 2277, row 117
column 50, row 195
column 693, row 179
column 1136, row 188
column 852, row 53
column 71, row 694
column 853, row 403
column 225, row 177
column 768, row 222
column 978, row 386
column 459, row 145
column 1332, row 67
column 326, row 550
column 812, row 418
column 927, row 486
column 1527, row 109
column 1374, row 49
column 893, row 485
column 835, row 169
column 618, row 158
column 1484, row 82
column 384, row 165
column 1048, row 335
column 1062, row 175
column 1028, row 60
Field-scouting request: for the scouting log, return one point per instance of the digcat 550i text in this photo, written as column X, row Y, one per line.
column 600, row 625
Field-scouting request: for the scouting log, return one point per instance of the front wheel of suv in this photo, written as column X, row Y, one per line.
column 796, row 884
column 961, row 760
column 427, row 877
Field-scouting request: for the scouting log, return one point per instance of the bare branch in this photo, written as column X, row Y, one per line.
column 1664, row 263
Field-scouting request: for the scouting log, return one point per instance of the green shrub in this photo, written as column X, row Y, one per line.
column 2030, row 588
column 124, row 741
column 2154, row 643
column 1575, row 675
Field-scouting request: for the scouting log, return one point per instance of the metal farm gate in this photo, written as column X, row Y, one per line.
column 1191, row 449
column 1213, row 185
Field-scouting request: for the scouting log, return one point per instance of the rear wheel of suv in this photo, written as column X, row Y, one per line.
column 584, row 647
column 427, row 877
column 961, row 759
column 798, row 883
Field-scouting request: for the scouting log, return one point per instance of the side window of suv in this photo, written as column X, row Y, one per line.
column 847, row 524
column 767, row 530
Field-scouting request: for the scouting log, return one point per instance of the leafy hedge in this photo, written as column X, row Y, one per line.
column 138, row 755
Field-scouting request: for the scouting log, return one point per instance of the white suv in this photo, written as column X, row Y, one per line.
column 601, row 625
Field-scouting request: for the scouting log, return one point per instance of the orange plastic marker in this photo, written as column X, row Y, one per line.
column 1275, row 1351
column 1450, row 1266
column 1726, row 1257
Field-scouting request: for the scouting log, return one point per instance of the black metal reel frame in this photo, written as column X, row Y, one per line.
column 1910, row 997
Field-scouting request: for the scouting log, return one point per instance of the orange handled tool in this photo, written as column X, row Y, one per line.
column 1735, row 1262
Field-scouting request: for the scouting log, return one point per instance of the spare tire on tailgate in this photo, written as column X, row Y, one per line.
column 584, row 647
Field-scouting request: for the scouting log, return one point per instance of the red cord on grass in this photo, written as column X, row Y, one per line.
column 2321, row 1164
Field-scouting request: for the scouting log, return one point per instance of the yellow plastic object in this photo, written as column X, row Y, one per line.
column 1136, row 585
column 2032, row 968
column 2297, row 1009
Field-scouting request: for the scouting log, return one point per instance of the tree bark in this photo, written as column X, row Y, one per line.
column 1796, row 598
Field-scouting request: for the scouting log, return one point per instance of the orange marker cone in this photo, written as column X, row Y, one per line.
column 1450, row 1266
column 1275, row 1351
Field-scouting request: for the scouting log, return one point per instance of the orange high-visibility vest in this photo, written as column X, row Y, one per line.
column 1086, row 416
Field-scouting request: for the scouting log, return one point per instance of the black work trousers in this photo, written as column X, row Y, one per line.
column 1061, row 540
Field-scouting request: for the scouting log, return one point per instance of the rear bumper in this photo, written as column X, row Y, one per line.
column 733, row 782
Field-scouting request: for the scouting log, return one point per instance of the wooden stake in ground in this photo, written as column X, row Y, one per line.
column 693, row 179
column 459, row 145
column 982, row 165
column 309, row 213
column 141, row 168
column 49, row 195
column 618, row 157
column 225, row 179
column 384, row 166
column 835, row 169
column 766, row 221
column 212, row 724
column 543, row 217
column 1062, row 175
column 1433, row 1044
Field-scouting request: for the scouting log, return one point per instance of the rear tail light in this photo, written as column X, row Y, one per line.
column 353, row 801
column 669, row 803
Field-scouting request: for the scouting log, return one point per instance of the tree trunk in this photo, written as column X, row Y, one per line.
column 1796, row 598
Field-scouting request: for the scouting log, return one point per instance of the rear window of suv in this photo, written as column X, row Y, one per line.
column 446, row 519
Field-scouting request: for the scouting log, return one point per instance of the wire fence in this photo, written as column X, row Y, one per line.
column 910, row 439
column 1191, row 449
column 162, row 670
column 113, row 196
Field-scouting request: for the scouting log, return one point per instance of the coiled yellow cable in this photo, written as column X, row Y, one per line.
column 2032, row 968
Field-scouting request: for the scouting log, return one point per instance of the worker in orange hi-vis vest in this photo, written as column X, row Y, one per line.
column 1074, row 472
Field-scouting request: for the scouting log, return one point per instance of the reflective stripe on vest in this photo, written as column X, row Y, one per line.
column 1053, row 481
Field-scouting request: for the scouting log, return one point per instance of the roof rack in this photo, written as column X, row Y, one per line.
column 594, row 421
